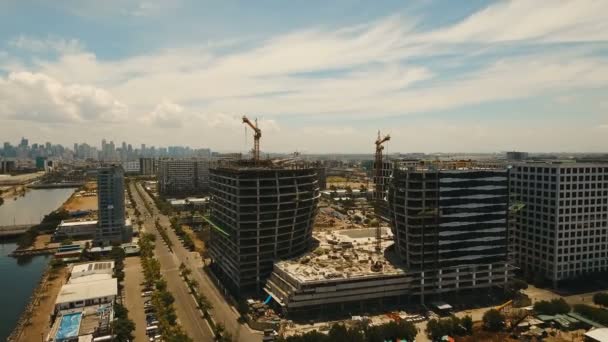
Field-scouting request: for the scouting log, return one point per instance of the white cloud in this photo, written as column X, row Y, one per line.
column 551, row 21
column 167, row 115
column 366, row 71
column 38, row 97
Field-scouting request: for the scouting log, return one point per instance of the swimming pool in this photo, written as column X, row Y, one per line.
column 69, row 326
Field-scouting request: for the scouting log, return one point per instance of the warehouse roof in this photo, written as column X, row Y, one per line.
column 105, row 266
column 90, row 278
column 600, row 335
column 90, row 290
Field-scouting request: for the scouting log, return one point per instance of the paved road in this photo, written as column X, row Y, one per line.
column 187, row 313
column 133, row 300
column 222, row 311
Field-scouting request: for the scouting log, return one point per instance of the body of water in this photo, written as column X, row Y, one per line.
column 21, row 276
column 19, row 279
column 31, row 208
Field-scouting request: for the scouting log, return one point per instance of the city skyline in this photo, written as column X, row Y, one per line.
column 321, row 78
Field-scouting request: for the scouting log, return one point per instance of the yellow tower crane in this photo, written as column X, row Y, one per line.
column 257, row 134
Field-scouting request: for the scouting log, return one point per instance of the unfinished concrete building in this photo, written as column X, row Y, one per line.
column 259, row 215
column 449, row 235
column 338, row 276
column 451, row 226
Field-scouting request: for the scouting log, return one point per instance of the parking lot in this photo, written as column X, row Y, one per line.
column 133, row 299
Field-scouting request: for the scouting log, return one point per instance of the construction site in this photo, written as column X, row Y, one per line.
column 260, row 211
column 420, row 235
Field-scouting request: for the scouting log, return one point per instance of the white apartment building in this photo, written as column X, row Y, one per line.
column 562, row 230
column 183, row 176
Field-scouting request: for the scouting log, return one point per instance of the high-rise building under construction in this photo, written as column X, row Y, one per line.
column 451, row 226
column 259, row 215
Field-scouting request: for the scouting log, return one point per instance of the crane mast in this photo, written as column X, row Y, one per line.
column 257, row 134
column 378, row 182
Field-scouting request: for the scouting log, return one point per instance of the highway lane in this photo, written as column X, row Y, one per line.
column 222, row 311
column 185, row 307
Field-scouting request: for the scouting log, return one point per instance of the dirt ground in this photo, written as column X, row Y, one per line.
column 81, row 203
column 39, row 324
column 90, row 186
column 13, row 191
column 199, row 245
column 42, row 241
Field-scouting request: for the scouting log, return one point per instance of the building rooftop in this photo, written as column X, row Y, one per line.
column 77, row 223
column 197, row 200
column 344, row 254
column 600, row 334
column 89, row 290
column 105, row 266
column 90, row 278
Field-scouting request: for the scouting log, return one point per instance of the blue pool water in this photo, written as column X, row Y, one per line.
column 69, row 326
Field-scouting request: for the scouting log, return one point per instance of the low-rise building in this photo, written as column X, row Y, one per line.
column 81, row 270
column 89, row 284
column 75, row 229
column 597, row 335
column 131, row 167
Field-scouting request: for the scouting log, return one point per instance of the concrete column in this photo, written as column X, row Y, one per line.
column 440, row 278
column 422, row 288
column 490, row 273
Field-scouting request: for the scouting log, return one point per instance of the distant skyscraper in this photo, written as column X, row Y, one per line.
column 111, row 205
column 24, row 142
column 517, row 155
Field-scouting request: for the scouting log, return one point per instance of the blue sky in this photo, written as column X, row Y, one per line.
column 452, row 76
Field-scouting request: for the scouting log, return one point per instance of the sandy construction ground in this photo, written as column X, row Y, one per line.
column 81, row 203
column 39, row 323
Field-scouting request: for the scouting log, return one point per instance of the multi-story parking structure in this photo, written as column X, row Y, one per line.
column 561, row 231
column 259, row 215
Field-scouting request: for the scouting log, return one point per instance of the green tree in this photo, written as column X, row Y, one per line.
column 596, row 314
column 66, row 242
column 118, row 254
column 433, row 330
column 493, row 320
column 515, row 286
column 166, row 298
column 123, row 329
column 553, row 307
column 601, row 299
column 467, row 324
